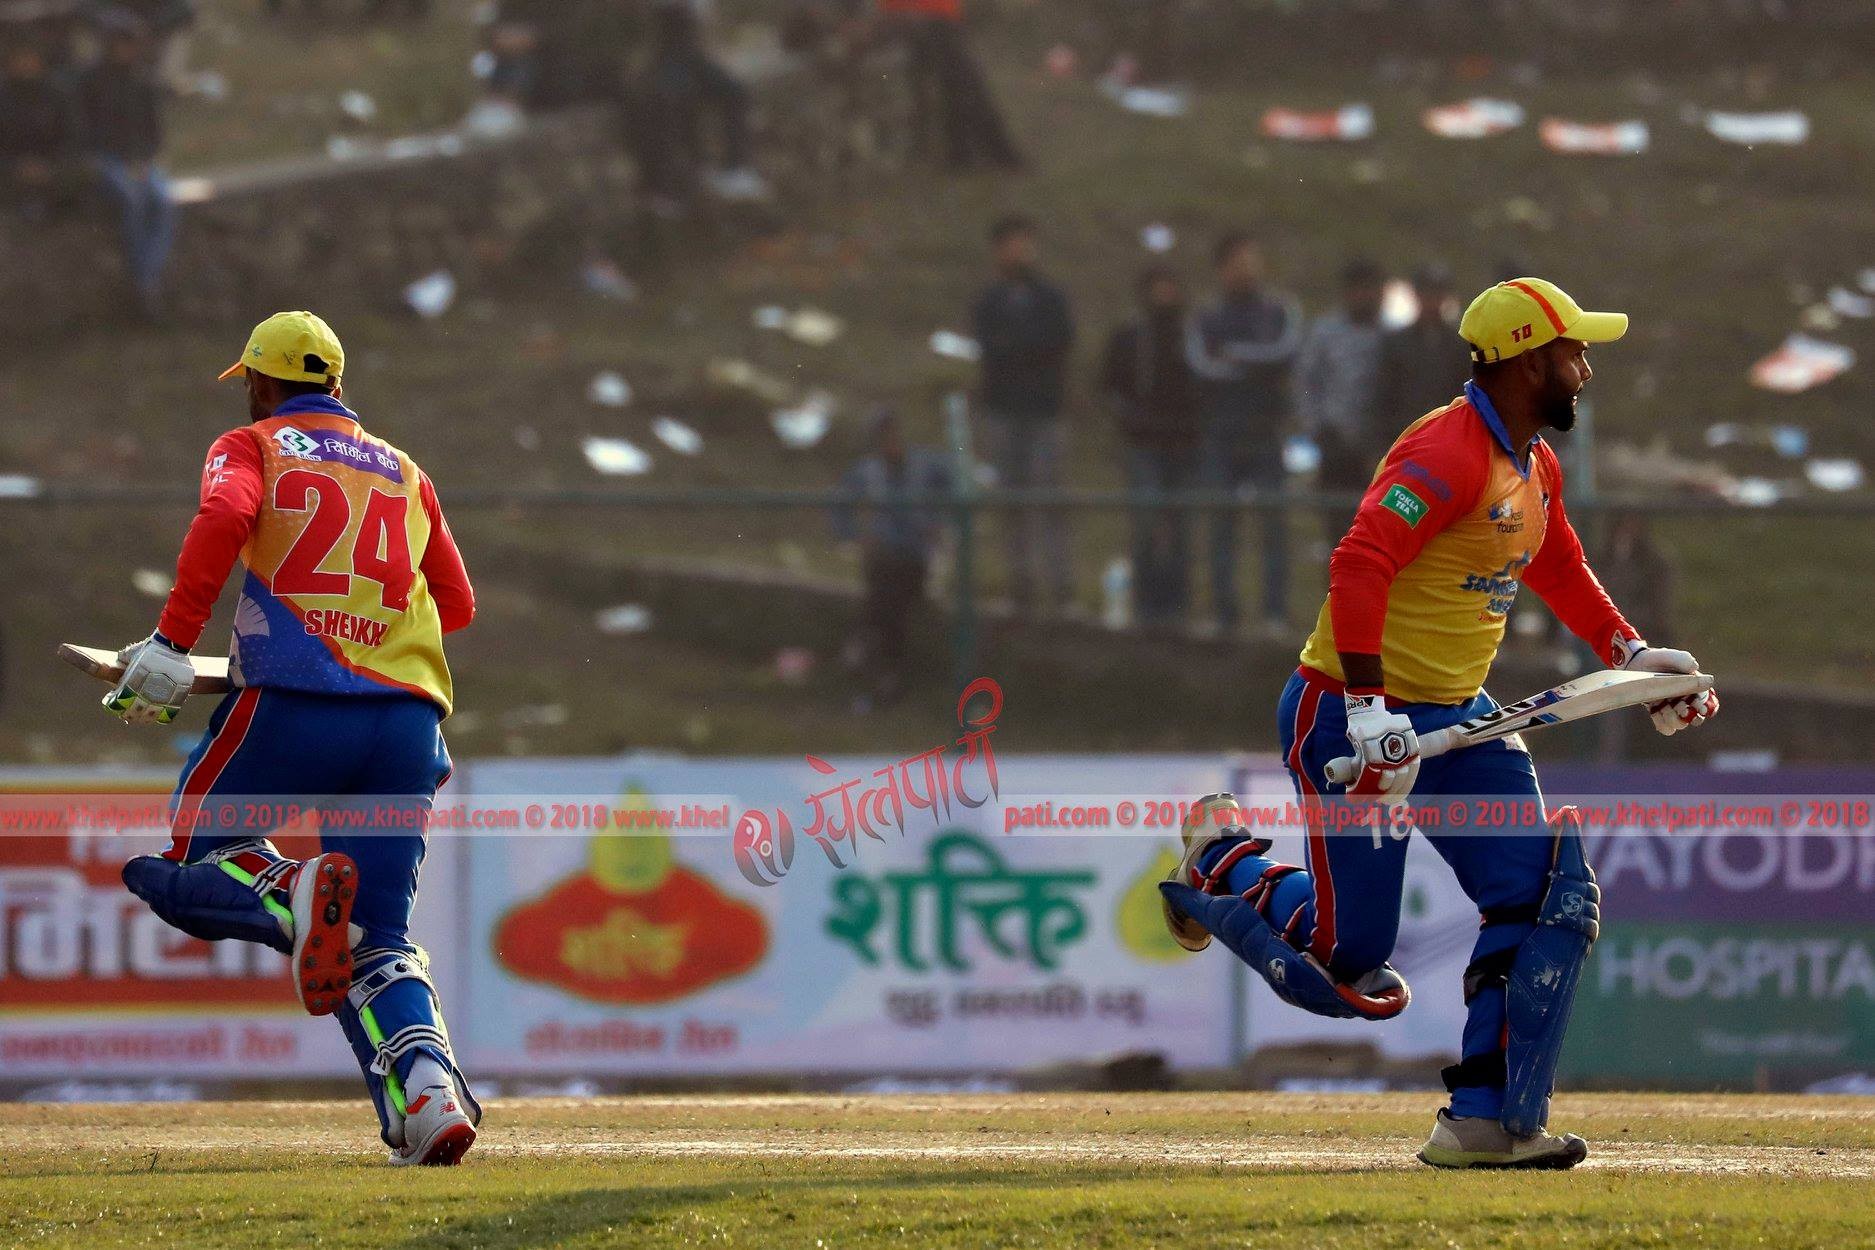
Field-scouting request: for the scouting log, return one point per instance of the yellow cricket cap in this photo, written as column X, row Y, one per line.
column 294, row 347
column 1513, row 317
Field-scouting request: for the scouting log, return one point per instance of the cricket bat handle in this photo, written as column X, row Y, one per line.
column 1345, row 770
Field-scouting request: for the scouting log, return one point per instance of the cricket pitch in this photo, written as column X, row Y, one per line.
column 1077, row 1169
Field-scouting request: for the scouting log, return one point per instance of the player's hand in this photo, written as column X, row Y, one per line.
column 157, row 678
column 1676, row 714
column 1387, row 748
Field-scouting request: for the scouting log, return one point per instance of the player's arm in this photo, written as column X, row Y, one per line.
column 442, row 565
column 1560, row 575
column 1429, row 480
column 157, row 672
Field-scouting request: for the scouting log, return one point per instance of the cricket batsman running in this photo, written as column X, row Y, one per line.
column 1466, row 506
column 352, row 579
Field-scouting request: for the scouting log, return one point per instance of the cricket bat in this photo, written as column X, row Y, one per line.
column 1573, row 700
column 211, row 672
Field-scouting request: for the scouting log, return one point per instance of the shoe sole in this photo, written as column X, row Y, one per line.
column 444, row 1150
column 1558, row 1161
column 322, row 914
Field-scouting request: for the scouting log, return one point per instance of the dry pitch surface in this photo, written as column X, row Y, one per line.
column 1070, row 1169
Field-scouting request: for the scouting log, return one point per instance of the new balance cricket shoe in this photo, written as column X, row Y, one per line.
column 323, row 893
column 1214, row 819
column 1475, row 1142
column 437, row 1132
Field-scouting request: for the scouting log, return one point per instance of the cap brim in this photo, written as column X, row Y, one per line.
column 1598, row 327
column 234, row 370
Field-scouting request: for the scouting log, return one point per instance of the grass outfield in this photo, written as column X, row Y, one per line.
column 1069, row 1169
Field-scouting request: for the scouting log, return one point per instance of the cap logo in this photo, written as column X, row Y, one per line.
column 254, row 351
column 1521, row 333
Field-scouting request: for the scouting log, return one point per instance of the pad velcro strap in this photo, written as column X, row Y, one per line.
column 1486, row 1071
column 1488, row 972
column 1213, row 882
column 368, row 985
column 407, row 1039
column 1261, row 894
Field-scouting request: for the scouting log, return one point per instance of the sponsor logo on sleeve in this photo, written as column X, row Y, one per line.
column 1434, row 483
column 1403, row 502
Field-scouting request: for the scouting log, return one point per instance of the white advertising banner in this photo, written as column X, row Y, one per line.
column 950, row 945
column 93, row 985
column 1021, row 931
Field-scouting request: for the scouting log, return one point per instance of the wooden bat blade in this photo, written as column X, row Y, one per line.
column 211, row 672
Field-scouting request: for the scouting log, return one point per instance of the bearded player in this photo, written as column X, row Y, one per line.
column 351, row 581
column 1466, row 506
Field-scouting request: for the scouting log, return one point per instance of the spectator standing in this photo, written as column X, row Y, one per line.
column 898, row 537
column 39, row 134
column 1148, row 381
column 1242, row 348
column 681, row 86
column 1026, row 331
column 1337, row 390
column 168, row 23
column 1422, row 365
column 121, row 103
column 950, row 95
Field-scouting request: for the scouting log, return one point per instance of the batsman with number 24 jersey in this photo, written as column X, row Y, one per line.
column 350, row 581
column 1466, row 508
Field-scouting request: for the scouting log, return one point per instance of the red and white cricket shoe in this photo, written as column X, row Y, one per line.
column 437, row 1131
column 323, row 893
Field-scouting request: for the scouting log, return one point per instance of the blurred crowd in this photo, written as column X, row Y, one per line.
column 83, row 88
column 1232, row 389
column 1207, row 393
column 685, row 115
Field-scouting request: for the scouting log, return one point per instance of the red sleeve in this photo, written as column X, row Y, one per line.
column 1559, row 573
column 230, row 504
column 442, row 565
column 1434, row 474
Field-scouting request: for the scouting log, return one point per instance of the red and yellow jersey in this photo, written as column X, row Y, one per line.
column 352, row 575
column 1451, row 525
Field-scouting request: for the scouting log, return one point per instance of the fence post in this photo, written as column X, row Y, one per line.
column 963, row 506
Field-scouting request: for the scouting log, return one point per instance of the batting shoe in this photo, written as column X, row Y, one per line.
column 1213, row 820
column 437, row 1132
column 1475, row 1142
column 323, row 892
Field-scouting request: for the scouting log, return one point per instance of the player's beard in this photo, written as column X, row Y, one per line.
column 1559, row 402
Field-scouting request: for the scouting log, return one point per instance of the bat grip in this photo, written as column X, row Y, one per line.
column 1343, row 771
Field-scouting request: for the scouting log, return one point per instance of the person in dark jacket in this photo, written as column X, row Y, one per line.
column 682, row 87
column 121, row 104
column 1026, row 331
column 1242, row 348
column 950, row 94
column 898, row 536
column 1149, row 383
column 39, row 135
column 1338, row 387
column 1421, row 364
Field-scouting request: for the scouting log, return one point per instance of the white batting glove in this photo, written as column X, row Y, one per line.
column 157, row 679
column 1387, row 748
column 1676, row 714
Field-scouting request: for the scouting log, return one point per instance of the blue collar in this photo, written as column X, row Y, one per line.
column 323, row 405
column 1495, row 424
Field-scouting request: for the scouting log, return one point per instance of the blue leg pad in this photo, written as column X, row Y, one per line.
column 205, row 901
column 391, row 1017
column 1541, row 988
column 1297, row 979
